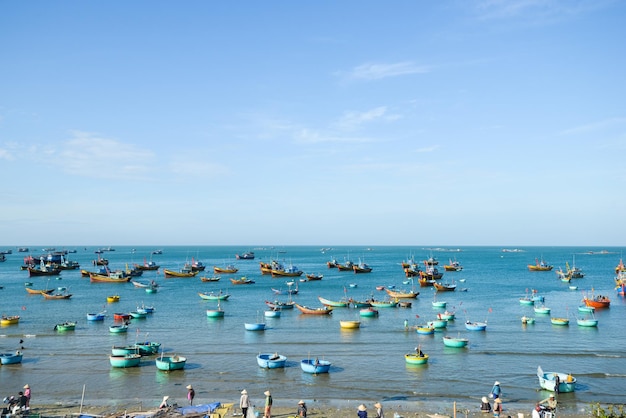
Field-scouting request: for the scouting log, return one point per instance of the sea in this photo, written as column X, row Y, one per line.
column 368, row 363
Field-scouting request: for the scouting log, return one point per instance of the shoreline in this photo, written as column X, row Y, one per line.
column 318, row 409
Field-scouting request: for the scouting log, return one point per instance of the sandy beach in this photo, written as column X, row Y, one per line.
column 403, row 409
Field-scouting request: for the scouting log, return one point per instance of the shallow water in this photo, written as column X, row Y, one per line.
column 368, row 363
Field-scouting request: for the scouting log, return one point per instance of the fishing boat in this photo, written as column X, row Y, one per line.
column 138, row 315
column 359, row 303
column 210, row 279
column 272, row 313
column 254, row 326
column 171, row 274
column 527, row 320
column 361, row 268
column 142, row 284
column 586, row 309
column 542, row 310
column 96, row 316
column 447, row 315
column 547, row 381
column 475, row 326
column 169, row 363
column 445, row 287
column 314, row 277
column 113, row 298
column 218, row 312
column 419, row 357
column 249, row 255
column 147, row 265
column 119, row 316
column 120, row 351
column 430, row 273
column 9, row 320
column 11, row 358
column 32, row 291
column 289, row 271
column 229, row 269
column 345, row 266
column 425, row 329
column 54, row 296
column 598, row 302
column 280, row 305
column 147, row 348
column 112, row 277
column 118, row 329
column 334, row 304
column 241, row 280
column 271, row 360
column 129, row 360
column 42, row 271
column 453, row 265
column 456, row 342
column 368, row 312
column 213, row 295
column 439, row 304
column 559, row 321
column 438, row 323
column 540, row 265
column 65, row 326
column 349, row 324
column 587, row 322
column 315, row 366
column 423, row 282
column 400, row 294
column 383, row 303
column 325, row 310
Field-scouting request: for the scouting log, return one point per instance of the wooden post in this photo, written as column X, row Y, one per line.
column 454, row 413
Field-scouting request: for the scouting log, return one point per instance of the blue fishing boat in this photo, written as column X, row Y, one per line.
column 147, row 348
column 255, row 326
column 168, row 363
column 438, row 323
column 128, row 360
column 315, row 366
column 548, row 381
column 118, row 329
column 271, row 360
column 138, row 315
column 11, row 358
column 368, row 312
column 475, row 326
column 120, row 351
column 456, row 342
column 96, row 316
column 272, row 313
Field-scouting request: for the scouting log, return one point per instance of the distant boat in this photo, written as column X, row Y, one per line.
column 96, row 316
column 315, row 366
column 349, row 324
column 271, row 361
column 540, row 265
column 168, row 363
column 229, row 269
column 245, row 256
column 457, row 342
column 169, row 274
column 65, row 326
column 254, row 326
column 475, row 326
column 214, row 296
column 314, row 311
column 9, row 320
column 118, row 329
column 559, row 321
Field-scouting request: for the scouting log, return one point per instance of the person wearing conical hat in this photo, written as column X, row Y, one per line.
column 485, row 406
column 301, row 409
column 497, row 407
column 361, row 411
column 379, row 410
column 190, row 394
column 268, row 404
column 27, row 394
column 244, row 403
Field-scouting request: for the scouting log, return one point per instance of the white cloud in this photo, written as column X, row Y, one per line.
column 352, row 120
column 372, row 71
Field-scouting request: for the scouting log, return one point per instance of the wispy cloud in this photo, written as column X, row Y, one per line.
column 377, row 71
column 309, row 136
column 91, row 155
column 352, row 120
column 536, row 9
column 5, row 154
column 594, row 127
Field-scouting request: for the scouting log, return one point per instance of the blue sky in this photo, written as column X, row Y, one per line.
column 326, row 123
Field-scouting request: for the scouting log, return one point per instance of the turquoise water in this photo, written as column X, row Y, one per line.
column 368, row 364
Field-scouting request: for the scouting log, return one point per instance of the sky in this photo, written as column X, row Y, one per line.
column 355, row 122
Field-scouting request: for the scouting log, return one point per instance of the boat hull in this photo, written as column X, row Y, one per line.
column 10, row 358
column 254, row 326
column 129, row 360
column 350, row 324
column 455, row 342
column 548, row 382
column 171, row 363
column 271, row 361
column 415, row 359
column 315, row 366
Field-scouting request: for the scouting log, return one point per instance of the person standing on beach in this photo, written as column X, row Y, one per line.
column 379, row 410
column 190, row 394
column 301, row 409
column 361, row 411
column 268, row 404
column 27, row 394
column 496, row 391
column 497, row 408
column 485, row 406
column 244, row 403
